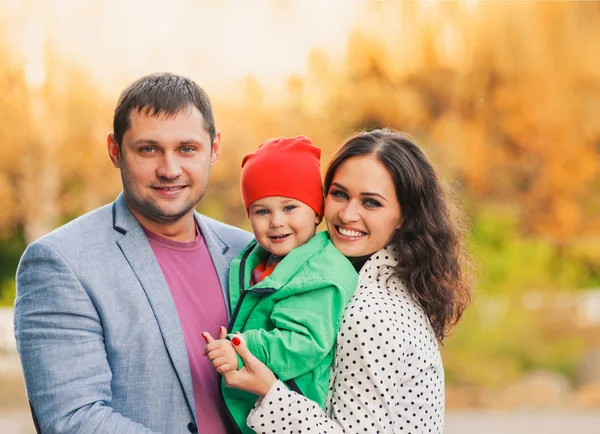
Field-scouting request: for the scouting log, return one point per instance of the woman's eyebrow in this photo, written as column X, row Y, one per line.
column 340, row 186
column 373, row 194
column 366, row 193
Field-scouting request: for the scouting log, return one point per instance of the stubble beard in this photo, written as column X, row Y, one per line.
column 153, row 211
column 150, row 209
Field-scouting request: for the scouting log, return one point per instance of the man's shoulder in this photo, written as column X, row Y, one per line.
column 84, row 239
column 92, row 225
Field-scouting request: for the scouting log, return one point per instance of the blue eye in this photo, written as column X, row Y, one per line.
column 338, row 194
column 371, row 203
column 289, row 208
column 261, row 212
column 147, row 149
column 188, row 150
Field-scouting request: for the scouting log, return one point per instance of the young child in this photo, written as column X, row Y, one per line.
column 289, row 287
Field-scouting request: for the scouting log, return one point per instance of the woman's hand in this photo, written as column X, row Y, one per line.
column 255, row 377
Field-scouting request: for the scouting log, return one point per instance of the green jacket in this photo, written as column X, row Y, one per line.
column 290, row 320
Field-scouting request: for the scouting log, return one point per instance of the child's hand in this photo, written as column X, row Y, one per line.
column 221, row 352
column 255, row 377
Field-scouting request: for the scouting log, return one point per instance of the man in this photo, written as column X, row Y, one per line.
column 110, row 307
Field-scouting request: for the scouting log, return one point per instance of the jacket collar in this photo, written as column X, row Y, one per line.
column 380, row 260
column 219, row 252
column 287, row 268
column 124, row 222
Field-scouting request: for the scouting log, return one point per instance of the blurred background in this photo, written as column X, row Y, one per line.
column 505, row 96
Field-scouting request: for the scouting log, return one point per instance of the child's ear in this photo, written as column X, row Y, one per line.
column 317, row 219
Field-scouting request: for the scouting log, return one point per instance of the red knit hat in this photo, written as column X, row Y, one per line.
column 287, row 167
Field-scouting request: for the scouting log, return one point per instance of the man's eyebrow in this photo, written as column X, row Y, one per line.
column 156, row 143
column 191, row 142
column 145, row 142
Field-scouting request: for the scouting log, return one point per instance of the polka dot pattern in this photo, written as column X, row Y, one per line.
column 387, row 376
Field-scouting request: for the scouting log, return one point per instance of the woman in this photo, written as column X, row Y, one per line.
column 390, row 214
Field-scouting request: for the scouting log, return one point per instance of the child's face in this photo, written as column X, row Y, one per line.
column 281, row 224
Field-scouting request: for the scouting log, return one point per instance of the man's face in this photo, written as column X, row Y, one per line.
column 164, row 163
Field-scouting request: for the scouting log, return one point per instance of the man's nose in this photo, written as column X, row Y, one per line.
column 169, row 167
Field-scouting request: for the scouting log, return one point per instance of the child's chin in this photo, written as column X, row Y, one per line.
column 281, row 252
column 283, row 248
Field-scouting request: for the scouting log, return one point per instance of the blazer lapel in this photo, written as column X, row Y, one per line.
column 141, row 258
column 219, row 253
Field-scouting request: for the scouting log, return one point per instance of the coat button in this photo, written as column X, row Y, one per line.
column 192, row 427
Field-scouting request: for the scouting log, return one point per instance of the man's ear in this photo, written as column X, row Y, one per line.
column 215, row 149
column 114, row 151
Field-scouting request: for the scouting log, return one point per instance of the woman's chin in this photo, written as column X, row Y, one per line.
column 350, row 248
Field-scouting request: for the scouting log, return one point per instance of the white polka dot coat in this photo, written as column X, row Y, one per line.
column 387, row 375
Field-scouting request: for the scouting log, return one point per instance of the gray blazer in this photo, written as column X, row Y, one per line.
column 97, row 329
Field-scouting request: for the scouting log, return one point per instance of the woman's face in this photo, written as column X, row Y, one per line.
column 361, row 209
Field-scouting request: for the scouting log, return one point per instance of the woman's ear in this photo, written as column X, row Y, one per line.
column 400, row 221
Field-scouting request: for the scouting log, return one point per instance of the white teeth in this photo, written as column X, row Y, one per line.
column 350, row 233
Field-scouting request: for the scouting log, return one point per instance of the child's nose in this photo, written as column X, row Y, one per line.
column 277, row 220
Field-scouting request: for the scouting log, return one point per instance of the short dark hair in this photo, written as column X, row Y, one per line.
column 434, row 264
column 161, row 94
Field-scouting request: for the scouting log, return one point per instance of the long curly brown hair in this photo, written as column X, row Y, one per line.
column 434, row 262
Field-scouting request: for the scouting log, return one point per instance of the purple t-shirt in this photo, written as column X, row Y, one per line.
column 194, row 284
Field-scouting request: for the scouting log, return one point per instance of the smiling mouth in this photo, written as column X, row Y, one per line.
column 279, row 237
column 350, row 233
column 174, row 188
